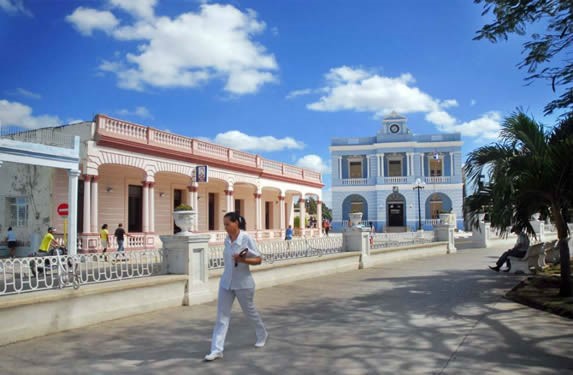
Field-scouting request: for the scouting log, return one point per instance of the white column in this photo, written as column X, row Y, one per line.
column 87, row 203
column 73, row 175
column 451, row 163
column 422, row 165
column 258, row 215
column 319, row 216
column 230, row 202
column 382, row 163
column 339, row 167
column 407, row 164
column 367, row 166
column 152, row 207
column 302, row 211
column 145, row 208
column 95, row 205
column 194, row 202
column 282, row 212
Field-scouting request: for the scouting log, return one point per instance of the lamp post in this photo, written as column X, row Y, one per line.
column 419, row 185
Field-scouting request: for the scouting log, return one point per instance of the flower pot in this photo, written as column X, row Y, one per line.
column 185, row 221
column 355, row 218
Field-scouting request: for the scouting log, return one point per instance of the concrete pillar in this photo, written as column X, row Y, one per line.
column 480, row 236
column 319, row 217
column 194, row 202
column 290, row 210
column 145, row 208
column 152, row 207
column 382, row 163
column 445, row 232
column 230, row 202
column 95, row 205
column 258, row 213
column 422, row 165
column 302, row 213
column 451, row 163
column 539, row 229
column 357, row 239
column 87, row 203
column 282, row 212
column 73, row 211
column 188, row 255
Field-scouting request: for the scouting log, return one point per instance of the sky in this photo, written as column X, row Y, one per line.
column 275, row 78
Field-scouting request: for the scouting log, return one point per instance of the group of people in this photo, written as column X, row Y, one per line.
column 120, row 234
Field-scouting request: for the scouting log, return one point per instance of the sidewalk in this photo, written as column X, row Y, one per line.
column 436, row 315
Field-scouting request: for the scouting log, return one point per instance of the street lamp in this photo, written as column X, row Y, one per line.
column 419, row 185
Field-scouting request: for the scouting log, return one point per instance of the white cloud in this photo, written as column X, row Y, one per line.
column 188, row 50
column 24, row 93
column 18, row 114
column 315, row 163
column 486, row 127
column 361, row 90
column 473, row 102
column 86, row 20
column 14, row 7
column 295, row 93
column 140, row 111
column 137, row 8
column 241, row 141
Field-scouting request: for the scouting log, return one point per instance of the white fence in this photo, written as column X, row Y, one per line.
column 29, row 274
column 273, row 251
column 384, row 240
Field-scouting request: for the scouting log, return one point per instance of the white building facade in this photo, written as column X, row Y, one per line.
column 382, row 176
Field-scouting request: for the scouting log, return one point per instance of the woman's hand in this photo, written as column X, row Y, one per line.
column 251, row 260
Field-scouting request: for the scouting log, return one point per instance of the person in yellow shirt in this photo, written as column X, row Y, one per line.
column 48, row 242
column 104, row 237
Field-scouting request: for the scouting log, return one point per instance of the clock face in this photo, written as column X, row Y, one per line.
column 394, row 128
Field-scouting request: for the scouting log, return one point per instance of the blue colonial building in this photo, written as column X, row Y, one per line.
column 384, row 176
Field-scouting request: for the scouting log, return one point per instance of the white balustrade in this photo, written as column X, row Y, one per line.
column 396, row 180
column 438, row 180
column 354, row 181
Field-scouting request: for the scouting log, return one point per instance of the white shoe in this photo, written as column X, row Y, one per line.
column 213, row 356
column 261, row 343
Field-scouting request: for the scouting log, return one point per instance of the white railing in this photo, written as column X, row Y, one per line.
column 396, row 180
column 142, row 134
column 549, row 228
column 432, row 221
column 274, row 251
column 21, row 275
column 385, row 240
column 364, row 223
column 354, row 181
column 438, row 180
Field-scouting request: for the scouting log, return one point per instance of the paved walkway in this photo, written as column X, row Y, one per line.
column 437, row 315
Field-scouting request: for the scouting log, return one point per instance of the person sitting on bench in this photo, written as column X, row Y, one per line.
column 518, row 250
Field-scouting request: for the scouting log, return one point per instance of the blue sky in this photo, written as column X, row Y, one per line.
column 277, row 78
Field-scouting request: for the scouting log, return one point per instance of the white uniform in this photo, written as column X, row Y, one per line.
column 236, row 282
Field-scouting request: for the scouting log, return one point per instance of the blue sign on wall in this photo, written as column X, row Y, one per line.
column 201, row 173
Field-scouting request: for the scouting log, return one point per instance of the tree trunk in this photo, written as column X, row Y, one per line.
column 565, row 288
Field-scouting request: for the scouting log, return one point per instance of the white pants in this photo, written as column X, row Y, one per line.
column 224, row 304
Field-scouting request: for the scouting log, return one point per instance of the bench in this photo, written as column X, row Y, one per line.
column 534, row 258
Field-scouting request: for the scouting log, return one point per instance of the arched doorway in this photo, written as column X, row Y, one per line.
column 355, row 203
column 395, row 210
column 436, row 204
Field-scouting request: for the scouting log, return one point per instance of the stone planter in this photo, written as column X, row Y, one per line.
column 355, row 218
column 185, row 221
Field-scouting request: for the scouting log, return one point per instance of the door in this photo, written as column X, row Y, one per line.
column 211, row 211
column 396, row 214
column 268, row 214
column 135, row 209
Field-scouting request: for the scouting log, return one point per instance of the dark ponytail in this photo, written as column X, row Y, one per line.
column 236, row 218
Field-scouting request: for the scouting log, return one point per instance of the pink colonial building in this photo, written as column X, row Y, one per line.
column 136, row 175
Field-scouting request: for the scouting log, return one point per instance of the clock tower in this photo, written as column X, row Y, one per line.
column 394, row 124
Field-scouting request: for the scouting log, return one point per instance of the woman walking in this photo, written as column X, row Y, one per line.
column 240, row 252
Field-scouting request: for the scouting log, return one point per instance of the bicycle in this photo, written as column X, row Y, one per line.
column 67, row 272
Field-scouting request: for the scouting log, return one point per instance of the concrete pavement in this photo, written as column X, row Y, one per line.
column 436, row 315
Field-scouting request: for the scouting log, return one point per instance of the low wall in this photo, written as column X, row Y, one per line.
column 397, row 254
column 34, row 314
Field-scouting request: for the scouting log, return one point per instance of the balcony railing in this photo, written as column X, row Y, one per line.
column 145, row 135
column 44, row 136
column 396, row 180
column 438, row 180
column 354, row 181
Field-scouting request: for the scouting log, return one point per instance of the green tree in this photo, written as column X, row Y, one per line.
column 311, row 208
column 529, row 171
column 548, row 54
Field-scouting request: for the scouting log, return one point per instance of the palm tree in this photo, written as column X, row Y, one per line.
column 530, row 171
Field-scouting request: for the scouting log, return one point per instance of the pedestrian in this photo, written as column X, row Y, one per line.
column 48, row 243
column 11, row 239
column 326, row 226
column 518, row 250
column 372, row 233
column 288, row 233
column 104, row 237
column 236, row 281
column 120, row 235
